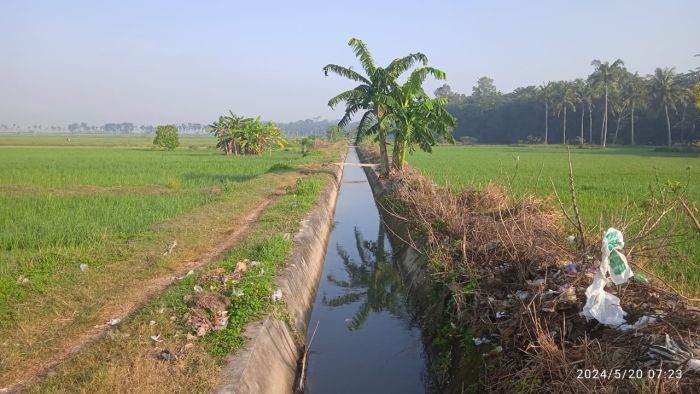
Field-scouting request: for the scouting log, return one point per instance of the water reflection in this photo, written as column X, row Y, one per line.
column 374, row 281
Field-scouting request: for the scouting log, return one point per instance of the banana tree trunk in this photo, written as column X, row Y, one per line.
column 398, row 158
column 383, row 154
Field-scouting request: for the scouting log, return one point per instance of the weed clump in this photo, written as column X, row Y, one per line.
column 518, row 284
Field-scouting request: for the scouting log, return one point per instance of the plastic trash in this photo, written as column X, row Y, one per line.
column 522, row 295
column 165, row 355
column 237, row 293
column 571, row 268
column 83, row 267
column 170, row 248
column 191, row 272
column 277, row 295
column 481, row 341
column 571, row 238
column 601, row 305
column 156, row 338
column 614, row 262
column 198, row 288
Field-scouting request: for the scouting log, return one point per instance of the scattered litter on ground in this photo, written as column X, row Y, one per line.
column 571, row 238
column 220, row 321
column 152, row 323
column 114, row 322
column 536, row 283
column 237, row 293
column 277, row 295
column 202, row 306
column 481, row 341
column 170, row 248
column 83, row 267
column 189, row 273
column 22, row 280
column 522, row 295
column 156, row 338
column 502, row 314
column 198, row 289
column 165, row 355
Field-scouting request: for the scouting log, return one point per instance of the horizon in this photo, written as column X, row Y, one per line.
column 153, row 64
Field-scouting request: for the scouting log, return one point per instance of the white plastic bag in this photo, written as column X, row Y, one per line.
column 601, row 305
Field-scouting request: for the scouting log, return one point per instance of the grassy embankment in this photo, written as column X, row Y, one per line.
column 609, row 183
column 116, row 208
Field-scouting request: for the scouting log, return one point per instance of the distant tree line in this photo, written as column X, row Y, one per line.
column 130, row 128
column 312, row 127
column 301, row 128
column 611, row 105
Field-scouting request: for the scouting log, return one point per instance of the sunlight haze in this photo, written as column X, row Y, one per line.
column 166, row 61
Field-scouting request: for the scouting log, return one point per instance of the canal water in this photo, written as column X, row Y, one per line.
column 366, row 340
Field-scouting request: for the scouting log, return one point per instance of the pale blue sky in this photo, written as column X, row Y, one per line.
column 177, row 61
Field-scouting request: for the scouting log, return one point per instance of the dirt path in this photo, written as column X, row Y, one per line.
column 135, row 297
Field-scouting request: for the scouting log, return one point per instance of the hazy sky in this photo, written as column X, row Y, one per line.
column 177, row 61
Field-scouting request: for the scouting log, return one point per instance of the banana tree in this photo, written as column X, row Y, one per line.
column 373, row 94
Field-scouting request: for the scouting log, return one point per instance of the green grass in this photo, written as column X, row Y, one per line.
column 132, row 354
column 57, row 197
column 607, row 182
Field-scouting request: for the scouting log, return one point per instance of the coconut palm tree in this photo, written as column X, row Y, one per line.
column 372, row 95
column 636, row 91
column 583, row 92
column 605, row 76
column 565, row 98
column 545, row 91
column 666, row 92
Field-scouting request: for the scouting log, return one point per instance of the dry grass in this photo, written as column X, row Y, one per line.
column 487, row 247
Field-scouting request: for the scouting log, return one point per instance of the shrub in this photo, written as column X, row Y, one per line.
column 166, row 137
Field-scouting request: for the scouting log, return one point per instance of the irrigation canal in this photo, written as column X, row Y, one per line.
column 366, row 341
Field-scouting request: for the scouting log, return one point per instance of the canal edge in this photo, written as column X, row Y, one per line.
column 268, row 362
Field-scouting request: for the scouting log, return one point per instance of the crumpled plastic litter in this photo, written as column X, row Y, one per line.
column 502, row 314
column 481, row 341
column 277, row 295
column 522, row 295
column 83, row 267
column 675, row 353
column 601, row 305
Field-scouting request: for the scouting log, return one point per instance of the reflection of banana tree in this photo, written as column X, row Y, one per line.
column 374, row 281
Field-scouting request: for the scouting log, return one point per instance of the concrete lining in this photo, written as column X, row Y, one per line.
column 268, row 362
